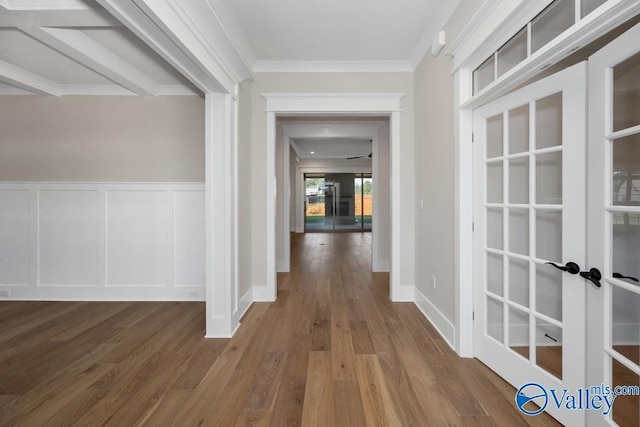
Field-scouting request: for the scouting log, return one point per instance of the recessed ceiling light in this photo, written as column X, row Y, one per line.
column 312, row 152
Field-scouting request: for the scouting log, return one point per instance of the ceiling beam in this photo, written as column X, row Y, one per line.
column 26, row 80
column 52, row 15
column 83, row 49
column 129, row 14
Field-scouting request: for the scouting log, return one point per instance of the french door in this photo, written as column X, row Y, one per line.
column 614, row 224
column 530, row 214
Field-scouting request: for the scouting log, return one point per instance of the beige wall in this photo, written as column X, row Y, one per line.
column 434, row 135
column 328, row 82
column 100, row 138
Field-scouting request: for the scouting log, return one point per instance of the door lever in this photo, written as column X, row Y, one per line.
column 593, row 276
column 620, row 276
column 570, row 267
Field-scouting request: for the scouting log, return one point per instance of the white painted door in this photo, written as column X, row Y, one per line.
column 614, row 224
column 529, row 160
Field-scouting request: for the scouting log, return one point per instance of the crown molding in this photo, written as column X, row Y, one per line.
column 435, row 24
column 332, row 67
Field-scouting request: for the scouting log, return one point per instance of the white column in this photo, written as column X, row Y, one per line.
column 221, row 215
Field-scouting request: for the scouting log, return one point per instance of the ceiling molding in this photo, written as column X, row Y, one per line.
column 44, row 5
column 201, row 57
column 436, row 23
column 332, row 67
column 23, row 79
column 82, row 48
column 203, row 21
column 134, row 18
column 485, row 11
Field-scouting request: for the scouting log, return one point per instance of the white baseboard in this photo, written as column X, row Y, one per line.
column 380, row 266
column 263, row 294
column 403, row 294
column 94, row 293
column 444, row 327
column 282, row 267
column 243, row 305
column 220, row 327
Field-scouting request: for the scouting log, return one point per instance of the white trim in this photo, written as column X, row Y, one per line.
column 44, row 5
column 270, row 294
column 337, row 103
column 220, row 214
column 176, row 52
column 262, row 294
column 25, row 80
column 332, row 67
column 441, row 324
column 611, row 14
column 432, row 33
column 333, row 102
column 100, row 90
column 463, row 184
column 98, row 288
column 244, row 303
column 482, row 15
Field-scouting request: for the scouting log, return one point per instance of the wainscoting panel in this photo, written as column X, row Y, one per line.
column 189, row 238
column 68, row 238
column 14, row 237
column 136, row 238
column 102, row 241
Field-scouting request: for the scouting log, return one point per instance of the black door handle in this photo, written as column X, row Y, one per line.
column 593, row 276
column 570, row 267
column 620, row 276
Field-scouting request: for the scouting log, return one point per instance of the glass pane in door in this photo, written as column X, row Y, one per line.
column 626, row 93
column 625, row 317
column 626, row 171
column 314, row 212
column 626, row 409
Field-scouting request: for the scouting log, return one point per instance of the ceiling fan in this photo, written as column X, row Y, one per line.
column 360, row 157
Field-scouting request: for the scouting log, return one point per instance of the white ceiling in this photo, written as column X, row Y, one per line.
column 337, row 31
column 67, row 47
column 331, row 148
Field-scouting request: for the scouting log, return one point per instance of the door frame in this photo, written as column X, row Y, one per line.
column 493, row 24
column 330, row 129
column 346, row 104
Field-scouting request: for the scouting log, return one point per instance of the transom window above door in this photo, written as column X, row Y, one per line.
column 554, row 20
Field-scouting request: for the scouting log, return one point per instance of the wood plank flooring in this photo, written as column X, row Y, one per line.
column 332, row 351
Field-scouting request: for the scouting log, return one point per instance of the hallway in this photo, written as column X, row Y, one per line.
column 333, row 350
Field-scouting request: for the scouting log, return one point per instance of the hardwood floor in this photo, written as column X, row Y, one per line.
column 333, row 350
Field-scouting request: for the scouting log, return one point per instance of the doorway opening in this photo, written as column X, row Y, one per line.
column 338, row 202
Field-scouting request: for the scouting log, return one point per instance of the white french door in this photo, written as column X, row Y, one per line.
column 529, row 211
column 614, row 223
